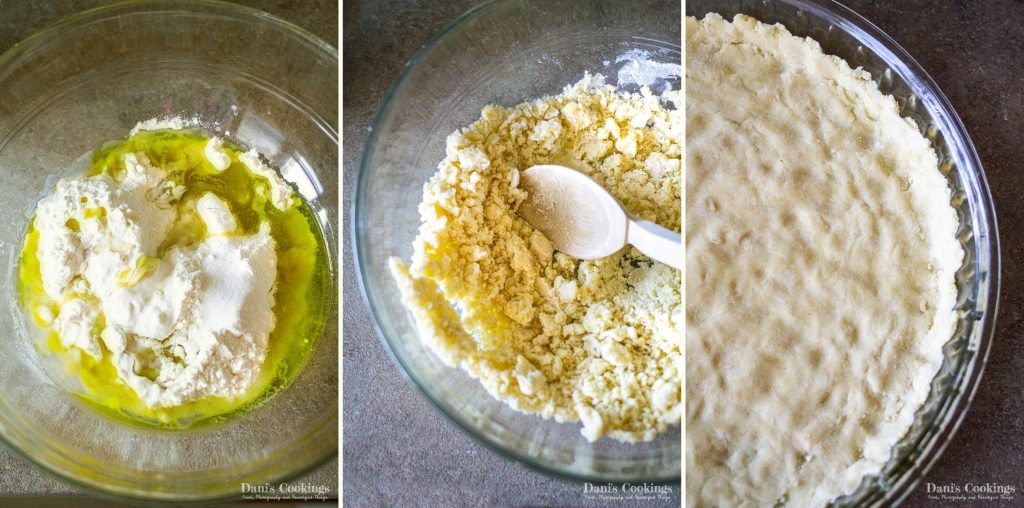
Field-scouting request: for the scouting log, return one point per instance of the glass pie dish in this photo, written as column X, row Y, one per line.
column 843, row 33
column 88, row 80
column 504, row 53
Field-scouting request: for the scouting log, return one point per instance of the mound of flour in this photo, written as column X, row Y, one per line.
column 181, row 325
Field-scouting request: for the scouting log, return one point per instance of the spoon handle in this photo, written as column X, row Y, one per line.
column 658, row 243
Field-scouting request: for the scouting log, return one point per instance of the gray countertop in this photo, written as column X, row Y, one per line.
column 399, row 451
column 20, row 19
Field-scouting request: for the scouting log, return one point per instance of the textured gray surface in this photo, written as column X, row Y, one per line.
column 398, row 450
column 975, row 52
column 19, row 19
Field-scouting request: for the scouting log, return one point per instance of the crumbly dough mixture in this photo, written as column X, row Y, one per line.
column 821, row 252
column 592, row 341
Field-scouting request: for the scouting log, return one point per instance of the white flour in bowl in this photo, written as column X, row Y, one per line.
column 189, row 323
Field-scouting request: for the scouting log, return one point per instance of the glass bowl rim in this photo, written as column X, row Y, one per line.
column 902, row 63
column 56, row 30
column 360, row 257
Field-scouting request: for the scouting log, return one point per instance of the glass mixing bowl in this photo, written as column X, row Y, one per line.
column 503, row 53
column 843, row 33
column 88, row 80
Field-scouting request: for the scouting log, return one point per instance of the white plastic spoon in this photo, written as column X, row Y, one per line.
column 584, row 221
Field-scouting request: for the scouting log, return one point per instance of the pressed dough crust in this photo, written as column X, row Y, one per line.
column 821, row 252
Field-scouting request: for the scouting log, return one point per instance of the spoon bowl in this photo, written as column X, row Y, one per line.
column 578, row 215
column 582, row 219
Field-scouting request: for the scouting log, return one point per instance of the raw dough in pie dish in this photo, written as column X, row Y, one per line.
column 821, row 252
